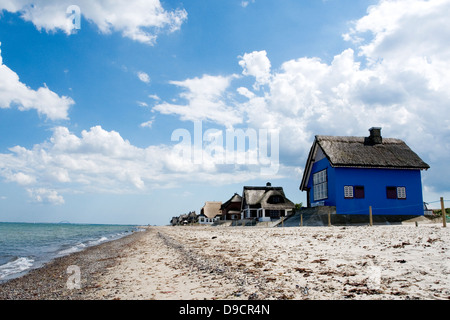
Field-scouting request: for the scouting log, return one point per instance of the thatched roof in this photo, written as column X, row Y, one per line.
column 287, row 204
column 234, row 198
column 355, row 152
column 362, row 152
column 192, row 214
column 254, row 196
column 211, row 209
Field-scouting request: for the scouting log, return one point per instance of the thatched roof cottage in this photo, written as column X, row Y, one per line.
column 353, row 173
column 265, row 203
column 210, row 212
column 231, row 209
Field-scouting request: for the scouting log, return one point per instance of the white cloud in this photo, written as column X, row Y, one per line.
column 244, row 4
column 154, row 97
column 256, row 64
column 399, row 26
column 15, row 93
column 42, row 195
column 97, row 159
column 142, row 104
column 144, row 77
column 141, row 20
column 148, row 124
column 207, row 101
column 245, row 92
column 102, row 161
column 22, row 178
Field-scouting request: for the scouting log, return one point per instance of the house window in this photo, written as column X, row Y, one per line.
column 391, row 192
column 320, row 185
column 359, row 192
column 401, row 192
column 351, row 192
column 275, row 200
column 348, row 192
column 275, row 214
column 396, row 192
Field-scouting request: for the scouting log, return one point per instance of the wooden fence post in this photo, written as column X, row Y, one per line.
column 329, row 218
column 301, row 220
column 370, row 216
column 444, row 214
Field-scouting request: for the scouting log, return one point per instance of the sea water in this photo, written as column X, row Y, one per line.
column 25, row 246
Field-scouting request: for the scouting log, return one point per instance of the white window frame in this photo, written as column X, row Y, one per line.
column 401, row 192
column 320, row 183
column 348, row 192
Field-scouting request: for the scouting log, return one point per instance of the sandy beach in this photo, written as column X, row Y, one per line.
column 248, row 263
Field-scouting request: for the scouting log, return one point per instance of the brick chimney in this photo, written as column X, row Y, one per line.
column 375, row 136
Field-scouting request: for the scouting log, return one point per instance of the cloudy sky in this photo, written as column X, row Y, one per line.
column 119, row 114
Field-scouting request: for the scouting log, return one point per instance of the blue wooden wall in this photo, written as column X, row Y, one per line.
column 375, row 182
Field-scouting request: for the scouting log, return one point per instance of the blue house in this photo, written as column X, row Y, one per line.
column 353, row 173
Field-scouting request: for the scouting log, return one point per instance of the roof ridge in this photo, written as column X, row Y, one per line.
column 356, row 139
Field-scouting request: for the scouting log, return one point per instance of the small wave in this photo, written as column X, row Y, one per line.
column 73, row 249
column 16, row 266
column 82, row 246
column 96, row 242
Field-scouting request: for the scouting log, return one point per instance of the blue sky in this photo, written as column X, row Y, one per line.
column 87, row 116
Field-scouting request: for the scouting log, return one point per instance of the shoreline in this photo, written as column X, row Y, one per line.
column 397, row 262
column 49, row 281
column 29, row 246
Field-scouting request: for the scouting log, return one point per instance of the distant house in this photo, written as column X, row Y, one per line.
column 183, row 219
column 231, row 210
column 174, row 221
column 192, row 217
column 210, row 212
column 265, row 203
column 353, row 173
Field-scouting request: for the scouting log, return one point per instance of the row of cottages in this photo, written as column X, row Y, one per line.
column 184, row 219
column 257, row 203
column 353, row 173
